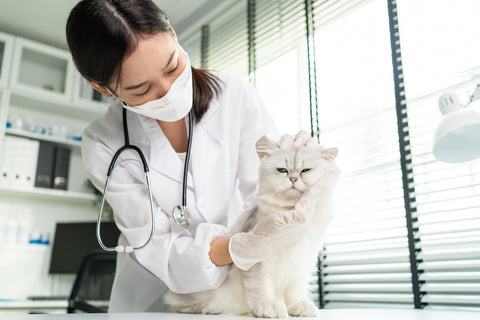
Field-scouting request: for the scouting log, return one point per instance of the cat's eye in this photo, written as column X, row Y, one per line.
column 306, row 170
column 282, row 170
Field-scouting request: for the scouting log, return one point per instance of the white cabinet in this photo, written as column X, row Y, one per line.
column 43, row 97
column 6, row 52
column 85, row 97
column 6, row 49
column 41, row 71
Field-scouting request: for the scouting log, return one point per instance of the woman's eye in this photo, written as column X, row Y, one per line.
column 173, row 70
column 282, row 170
column 305, row 170
column 143, row 93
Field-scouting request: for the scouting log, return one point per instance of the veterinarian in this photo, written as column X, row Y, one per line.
column 128, row 49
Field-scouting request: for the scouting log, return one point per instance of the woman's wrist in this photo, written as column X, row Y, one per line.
column 219, row 253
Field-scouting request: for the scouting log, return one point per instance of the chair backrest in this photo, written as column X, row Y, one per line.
column 93, row 282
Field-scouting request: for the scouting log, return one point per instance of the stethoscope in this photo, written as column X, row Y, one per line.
column 179, row 214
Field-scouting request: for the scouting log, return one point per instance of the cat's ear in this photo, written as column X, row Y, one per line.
column 265, row 147
column 330, row 153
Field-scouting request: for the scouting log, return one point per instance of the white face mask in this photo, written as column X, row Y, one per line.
column 173, row 106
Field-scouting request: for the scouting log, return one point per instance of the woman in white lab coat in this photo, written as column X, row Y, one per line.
column 129, row 50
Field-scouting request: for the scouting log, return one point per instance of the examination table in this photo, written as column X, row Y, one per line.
column 330, row 314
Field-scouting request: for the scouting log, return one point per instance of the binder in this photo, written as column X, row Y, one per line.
column 25, row 166
column 62, row 163
column 7, row 160
column 19, row 161
column 45, row 165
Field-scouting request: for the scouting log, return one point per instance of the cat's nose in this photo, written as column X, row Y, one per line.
column 293, row 179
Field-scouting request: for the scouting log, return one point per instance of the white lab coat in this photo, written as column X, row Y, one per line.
column 223, row 160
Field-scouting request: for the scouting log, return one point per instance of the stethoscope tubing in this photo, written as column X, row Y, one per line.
column 187, row 160
column 128, row 146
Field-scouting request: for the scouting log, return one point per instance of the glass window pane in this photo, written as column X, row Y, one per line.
column 282, row 85
column 440, row 46
column 357, row 114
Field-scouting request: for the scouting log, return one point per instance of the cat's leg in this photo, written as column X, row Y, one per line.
column 298, row 305
column 260, row 292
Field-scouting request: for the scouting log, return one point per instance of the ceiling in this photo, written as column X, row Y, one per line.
column 44, row 20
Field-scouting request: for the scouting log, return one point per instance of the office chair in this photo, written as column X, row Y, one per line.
column 93, row 283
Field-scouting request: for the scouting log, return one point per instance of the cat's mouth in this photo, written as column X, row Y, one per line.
column 293, row 188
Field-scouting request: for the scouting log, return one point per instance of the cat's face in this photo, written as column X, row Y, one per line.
column 287, row 173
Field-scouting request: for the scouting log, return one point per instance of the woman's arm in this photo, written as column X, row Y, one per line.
column 175, row 255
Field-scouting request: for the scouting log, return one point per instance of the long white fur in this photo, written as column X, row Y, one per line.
column 278, row 285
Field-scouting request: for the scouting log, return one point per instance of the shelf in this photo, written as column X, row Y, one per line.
column 47, row 194
column 85, row 95
column 43, row 100
column 19, row 247
column 33, row 305
column 43, row 137
column 38, row 66
column 6, row 52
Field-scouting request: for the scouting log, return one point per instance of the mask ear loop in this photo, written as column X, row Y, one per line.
column 117, row 98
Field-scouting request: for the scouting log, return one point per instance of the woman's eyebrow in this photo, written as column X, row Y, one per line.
column 136, row 86
column 170, row 59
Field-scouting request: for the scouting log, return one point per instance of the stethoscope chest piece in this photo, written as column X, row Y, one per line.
column 181, row 216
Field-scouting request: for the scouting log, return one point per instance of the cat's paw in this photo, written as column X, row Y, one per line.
column 268, row 309
column 302, row 308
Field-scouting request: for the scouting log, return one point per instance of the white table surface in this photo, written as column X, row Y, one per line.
column 330, row 314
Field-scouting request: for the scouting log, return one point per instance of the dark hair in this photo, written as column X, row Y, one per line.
column 101, row 34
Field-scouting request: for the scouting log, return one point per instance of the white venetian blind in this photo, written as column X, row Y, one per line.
column 228, row 48
column 193, row 46
column 439, row 58
column 281, row 62
column 366, row 258
column 279, row 27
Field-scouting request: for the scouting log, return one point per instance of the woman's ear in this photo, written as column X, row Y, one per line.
column 100, row 88
column 174, row 34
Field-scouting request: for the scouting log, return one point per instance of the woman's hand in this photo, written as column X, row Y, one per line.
column 272, row 233
column 301, row 139
column 219, row 253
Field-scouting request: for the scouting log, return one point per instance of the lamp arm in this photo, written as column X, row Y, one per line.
column 475, row 95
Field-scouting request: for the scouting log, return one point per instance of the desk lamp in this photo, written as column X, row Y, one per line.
column 457, row 137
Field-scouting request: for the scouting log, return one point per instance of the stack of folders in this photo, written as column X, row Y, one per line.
column 32, row 163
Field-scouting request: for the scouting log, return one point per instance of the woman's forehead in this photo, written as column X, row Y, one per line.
column 150, row 55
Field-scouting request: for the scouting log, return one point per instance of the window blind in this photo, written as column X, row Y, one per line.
column 228, row 49
column 193, row 46
column 279, row 27
column 365, row 262
column 366, row 258
column 281, row 74
column 447, row 195
column 329, row 11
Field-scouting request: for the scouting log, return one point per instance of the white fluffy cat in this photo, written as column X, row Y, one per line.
column 297, row 181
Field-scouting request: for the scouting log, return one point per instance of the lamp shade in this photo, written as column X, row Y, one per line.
column 457, row 138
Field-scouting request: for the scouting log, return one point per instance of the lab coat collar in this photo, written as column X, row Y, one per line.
column 206, row 147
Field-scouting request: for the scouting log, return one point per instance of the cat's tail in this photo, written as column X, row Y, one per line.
column 228, row 298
